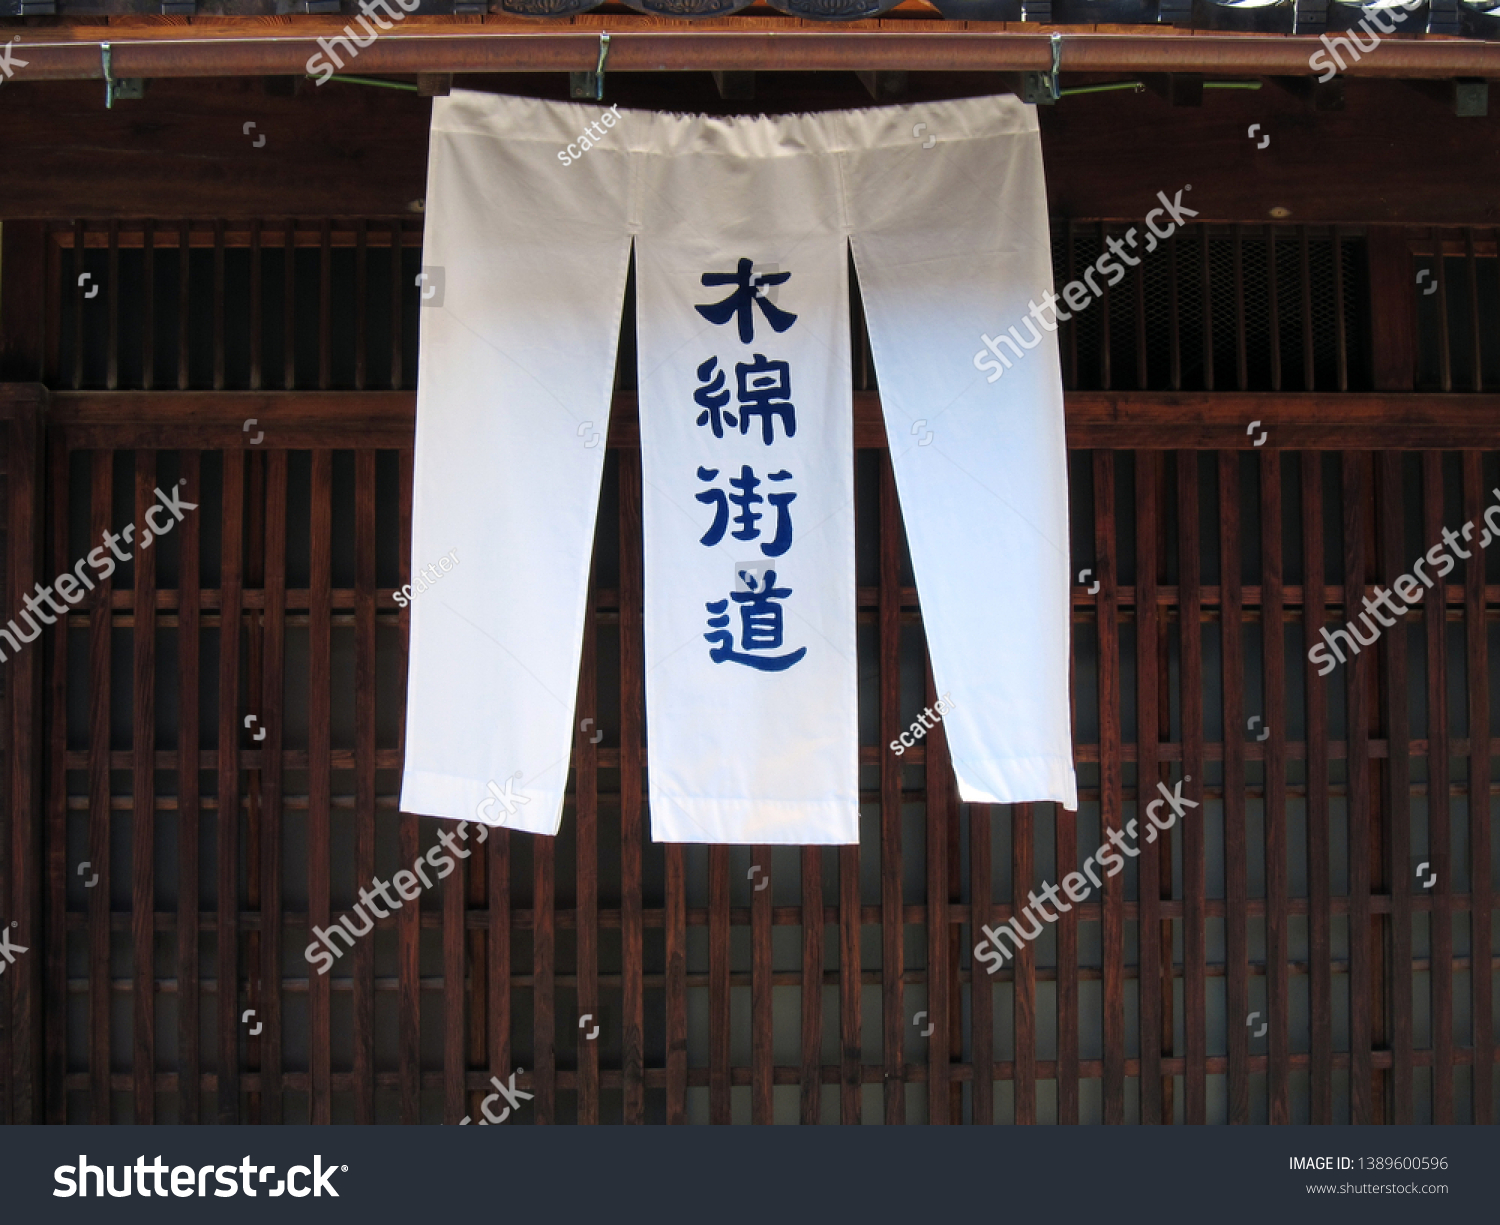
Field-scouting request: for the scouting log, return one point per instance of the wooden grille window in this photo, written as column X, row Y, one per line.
column 217, row 851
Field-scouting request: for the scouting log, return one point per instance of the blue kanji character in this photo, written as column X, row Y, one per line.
column 748, row 518
column 760, row 626
column 763, row 388
column 713, row 395
column 747, row 290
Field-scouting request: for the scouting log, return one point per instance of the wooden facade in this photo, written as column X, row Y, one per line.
column 217, row 733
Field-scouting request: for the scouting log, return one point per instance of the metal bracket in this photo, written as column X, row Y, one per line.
column 179, row 8
column 1042, row 87
column 591, row 84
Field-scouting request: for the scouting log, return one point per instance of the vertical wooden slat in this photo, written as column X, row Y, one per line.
column 319, row 773
column 1241, row 367
column 1208, row 310
column 219, row 304
column 1174, row 329
column 1194, row 910
column 1357, row 674
column 981, row 989
column 1070, row 326
column 498, row 978
column 61, row 865
column 1445, row 351
column 1439, row 792
column 850, row 988
column 396, row 288
column 1392, row 299
column 1309, row 370
column 1148, row 668
column 361, row 289
column 80, row 249
column 762, row 1049
column 1319, row 883
column 325, row 305
column 189, row 647
column 1110, row 820
column 455, row 992
column 143, row 791
column 273, row 706
column 544, row 963
column 1236, row 867
column 21, row 1016
column 718, row 985
column 586, row 843
column 632, row 754
column 1398, row 793
column 892, row 927
column 112, row 349
column 1142, row 360
column 408, row 922
column 676, row 986
column 1273, row 664
column 289, row 305
column 231, row 571
column 1105, row 371
column 1067, row 974
column 364, row 775
column 100, row 633
column 1023, row 999
column 253, row 576
column 409, row 919
column 810, row 1099
column 942, row 808
column 1340, row 325
column 1476, row 332
column 1481, row 901
column 1273, row 308
column 184, row 281
column 256, row 330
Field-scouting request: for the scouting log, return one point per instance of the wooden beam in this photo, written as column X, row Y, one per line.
column 1095, row 419
column 655, row 45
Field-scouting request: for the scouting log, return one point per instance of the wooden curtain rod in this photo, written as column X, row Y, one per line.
column 136, row 53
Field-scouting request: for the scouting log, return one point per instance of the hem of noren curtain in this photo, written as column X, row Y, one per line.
column 1020, row 780
column 450, row 797
column 832, row 823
